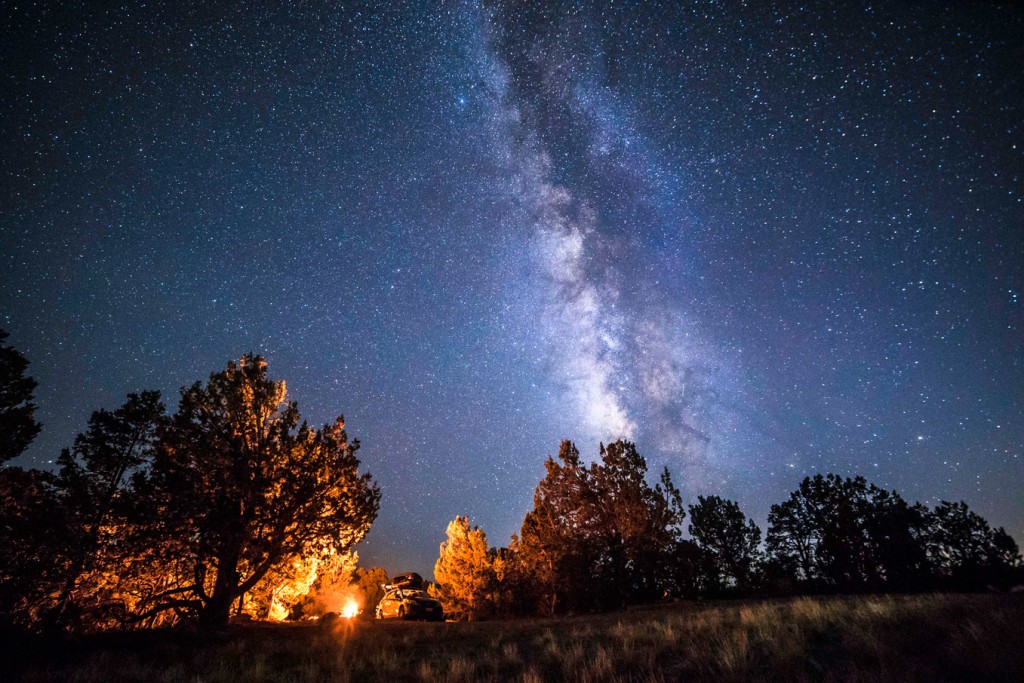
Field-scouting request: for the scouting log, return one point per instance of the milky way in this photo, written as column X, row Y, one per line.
column 762, row 240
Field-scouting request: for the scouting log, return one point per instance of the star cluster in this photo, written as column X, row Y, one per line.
column 762, row 240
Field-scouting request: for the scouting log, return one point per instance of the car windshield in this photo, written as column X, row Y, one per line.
column 415, row 594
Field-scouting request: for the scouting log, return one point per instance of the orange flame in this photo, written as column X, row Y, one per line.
column 351, row 609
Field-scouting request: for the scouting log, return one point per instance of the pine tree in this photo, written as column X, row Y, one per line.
column 465, row 572
column 728, row 540
column 554, row 542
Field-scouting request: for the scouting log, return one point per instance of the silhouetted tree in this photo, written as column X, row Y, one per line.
column 965, row 552
column 729, row 540
column 239, row 486
column 792, row 539
column 33, row 532
column 17, row 411
column 35, row 542
column 554, row 545
column 836, row 533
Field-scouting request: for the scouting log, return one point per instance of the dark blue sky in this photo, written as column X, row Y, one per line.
column 762, row 242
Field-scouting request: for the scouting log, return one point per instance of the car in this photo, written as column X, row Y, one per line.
column 408, row 603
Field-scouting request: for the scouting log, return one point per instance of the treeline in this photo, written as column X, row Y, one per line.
column 231, row 505
column 600, row 536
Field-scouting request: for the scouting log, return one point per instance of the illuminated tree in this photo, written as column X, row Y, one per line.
column 553, row 545
column 465, row 572
column 728, row 540
column 96, row 494
column 636, row 526
column 600, row 536
column 310, row 585
column 240, row 487
column 17, row 422
column 369, row 586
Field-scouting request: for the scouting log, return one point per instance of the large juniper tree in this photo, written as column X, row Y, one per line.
column 240, row 484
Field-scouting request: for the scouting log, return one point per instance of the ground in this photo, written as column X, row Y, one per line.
column 867, row 638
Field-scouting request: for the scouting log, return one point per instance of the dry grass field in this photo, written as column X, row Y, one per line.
column 870, row 638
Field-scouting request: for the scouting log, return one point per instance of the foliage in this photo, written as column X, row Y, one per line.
column 553, row 547
column 35, row 540
column 729, row 541
column 467, row 571
column 302, row 586
column 241, row 486
column 966, row 553
column 846, row 534
column 368, row 584
column 96, row 493
column 18, row 426
column 232, row 502
column 34, row 532
column 599, row 536
column 636, row 526
column 152, row 519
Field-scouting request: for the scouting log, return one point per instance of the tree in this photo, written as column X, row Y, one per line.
column 369, row 586
column 728, row 539
column 600, row 536
column 34, row 546
column 846, row 534
column 636, row 526
column 554, row 542
column 94, row 485
column 302, row 586
column 465, row 571
column 33, row 532
column 239, row 486
column 792, row 539
column 17, row 411
column 965, row 552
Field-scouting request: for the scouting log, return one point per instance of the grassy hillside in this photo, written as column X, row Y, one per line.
column 926, row 638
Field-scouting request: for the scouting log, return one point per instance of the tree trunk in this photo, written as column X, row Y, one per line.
column 217, row 609
column 216, row 612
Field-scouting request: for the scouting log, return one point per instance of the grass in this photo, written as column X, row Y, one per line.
column 869, row 638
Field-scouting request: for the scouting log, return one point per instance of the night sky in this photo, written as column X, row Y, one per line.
column 760, row 242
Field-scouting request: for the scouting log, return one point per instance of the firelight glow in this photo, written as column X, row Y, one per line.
column 351, row 609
